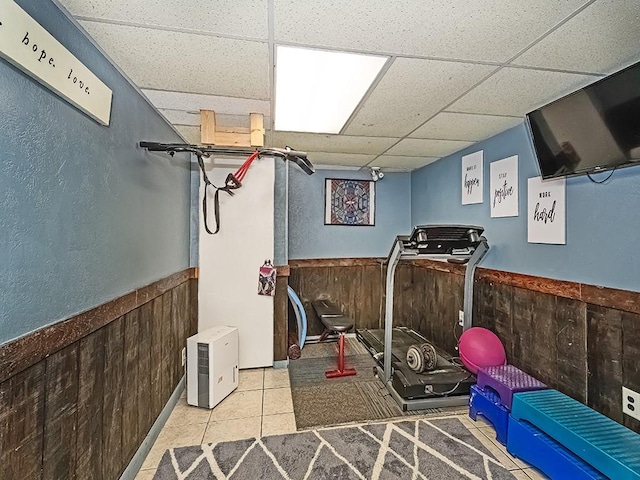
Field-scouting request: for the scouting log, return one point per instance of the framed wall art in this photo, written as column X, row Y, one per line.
column 349, row 202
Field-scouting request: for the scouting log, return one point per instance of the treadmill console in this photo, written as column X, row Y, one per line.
column 443, row 239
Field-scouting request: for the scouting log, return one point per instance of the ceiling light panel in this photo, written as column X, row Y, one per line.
column 317, row 90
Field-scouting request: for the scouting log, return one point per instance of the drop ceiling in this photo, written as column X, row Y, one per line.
column 458, row 71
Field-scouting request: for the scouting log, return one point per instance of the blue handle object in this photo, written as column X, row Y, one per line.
column 301, row 316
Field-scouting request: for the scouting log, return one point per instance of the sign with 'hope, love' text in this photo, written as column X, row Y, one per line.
column 28, row 46
column 546, row 211
column 472, row 176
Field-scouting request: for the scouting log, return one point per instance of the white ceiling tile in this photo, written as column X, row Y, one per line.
column 186, row 62
column 410, row 92
column 190, row 134
column 601, row 38
column 345, row 159
column 464, row 126
column 333, row 143
column 194, row 102
column 489, row 31
column 240, row 18
column 180, row 117
column 402, row 162
column 417, row 147
column 517, row 91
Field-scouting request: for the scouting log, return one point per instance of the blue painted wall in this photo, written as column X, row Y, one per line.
column 86, row 215
column 603, row 221
column 309, row 237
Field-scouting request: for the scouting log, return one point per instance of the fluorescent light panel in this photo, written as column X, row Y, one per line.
column 317, row 90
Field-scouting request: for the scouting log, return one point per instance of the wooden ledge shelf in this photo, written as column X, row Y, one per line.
column 210, row 134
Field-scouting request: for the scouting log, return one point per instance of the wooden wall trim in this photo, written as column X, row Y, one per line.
column 624, row 300
column 560, row 288
column 21, row 353
column 335, row 262
column 283, row 271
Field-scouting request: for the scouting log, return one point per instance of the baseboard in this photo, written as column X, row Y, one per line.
column 281, row 364
column 138, row 459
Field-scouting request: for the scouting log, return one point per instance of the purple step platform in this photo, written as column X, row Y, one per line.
column 507, row 380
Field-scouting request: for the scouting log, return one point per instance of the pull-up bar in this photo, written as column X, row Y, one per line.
column 233, row 181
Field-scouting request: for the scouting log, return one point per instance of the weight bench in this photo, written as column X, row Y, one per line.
column 334, row 321
column 610, row 448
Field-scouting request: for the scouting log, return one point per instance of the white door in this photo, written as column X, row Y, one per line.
column 229, row 261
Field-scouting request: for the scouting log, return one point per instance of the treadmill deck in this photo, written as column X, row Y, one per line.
column 447, row 379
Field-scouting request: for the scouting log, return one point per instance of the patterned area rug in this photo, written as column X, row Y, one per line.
column 321, row 402
column 436, row 449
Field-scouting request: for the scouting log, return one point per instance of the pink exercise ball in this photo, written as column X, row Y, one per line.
column 480, row 347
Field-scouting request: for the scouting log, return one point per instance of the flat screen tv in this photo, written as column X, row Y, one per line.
column 594, row 129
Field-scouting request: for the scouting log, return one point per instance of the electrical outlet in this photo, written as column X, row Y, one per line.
column 184, row 356
column 460, row 318
column 631, row 403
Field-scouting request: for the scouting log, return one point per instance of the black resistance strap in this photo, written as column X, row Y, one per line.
column 233, row 180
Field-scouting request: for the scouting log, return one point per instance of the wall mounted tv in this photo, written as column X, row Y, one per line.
column 594, row 129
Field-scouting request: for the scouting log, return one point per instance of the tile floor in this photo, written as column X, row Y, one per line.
column 259, row 407
column 262, row 406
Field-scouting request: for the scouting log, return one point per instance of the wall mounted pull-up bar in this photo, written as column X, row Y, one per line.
column 234, row 180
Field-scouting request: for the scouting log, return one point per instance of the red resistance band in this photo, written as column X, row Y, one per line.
column 233, row 182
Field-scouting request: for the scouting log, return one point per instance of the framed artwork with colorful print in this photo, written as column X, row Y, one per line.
column 349, row 202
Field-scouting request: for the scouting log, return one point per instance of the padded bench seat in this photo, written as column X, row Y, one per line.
column 609, row 447
column 334, row 321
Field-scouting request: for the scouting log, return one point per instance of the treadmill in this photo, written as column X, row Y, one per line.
column 448, row 383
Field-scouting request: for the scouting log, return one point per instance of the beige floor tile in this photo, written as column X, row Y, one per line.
column 495, row 451
column 171, row 437
column 277, row 400
column 520, row 463
column 278, row 424
column 520, row 475
column 466, row 421
column 228, row 430
column 187, row 415
column 481, row 421
column 250, row 379
column 534, row 474
column 238, row 405
column 276, row 378
column 153, row 457
column 146, row 474
column 489, row 432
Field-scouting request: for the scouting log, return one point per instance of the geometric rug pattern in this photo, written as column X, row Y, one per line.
column 433, row 449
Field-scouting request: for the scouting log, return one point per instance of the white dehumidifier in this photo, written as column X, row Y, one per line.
column 212, row 366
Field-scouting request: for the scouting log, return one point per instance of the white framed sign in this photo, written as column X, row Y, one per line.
column 472, row 178
column 28, row 46
column 504, row 187
column 546, row 211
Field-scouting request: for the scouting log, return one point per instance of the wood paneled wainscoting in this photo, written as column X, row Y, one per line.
column 77, row 398
column 581, row 339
